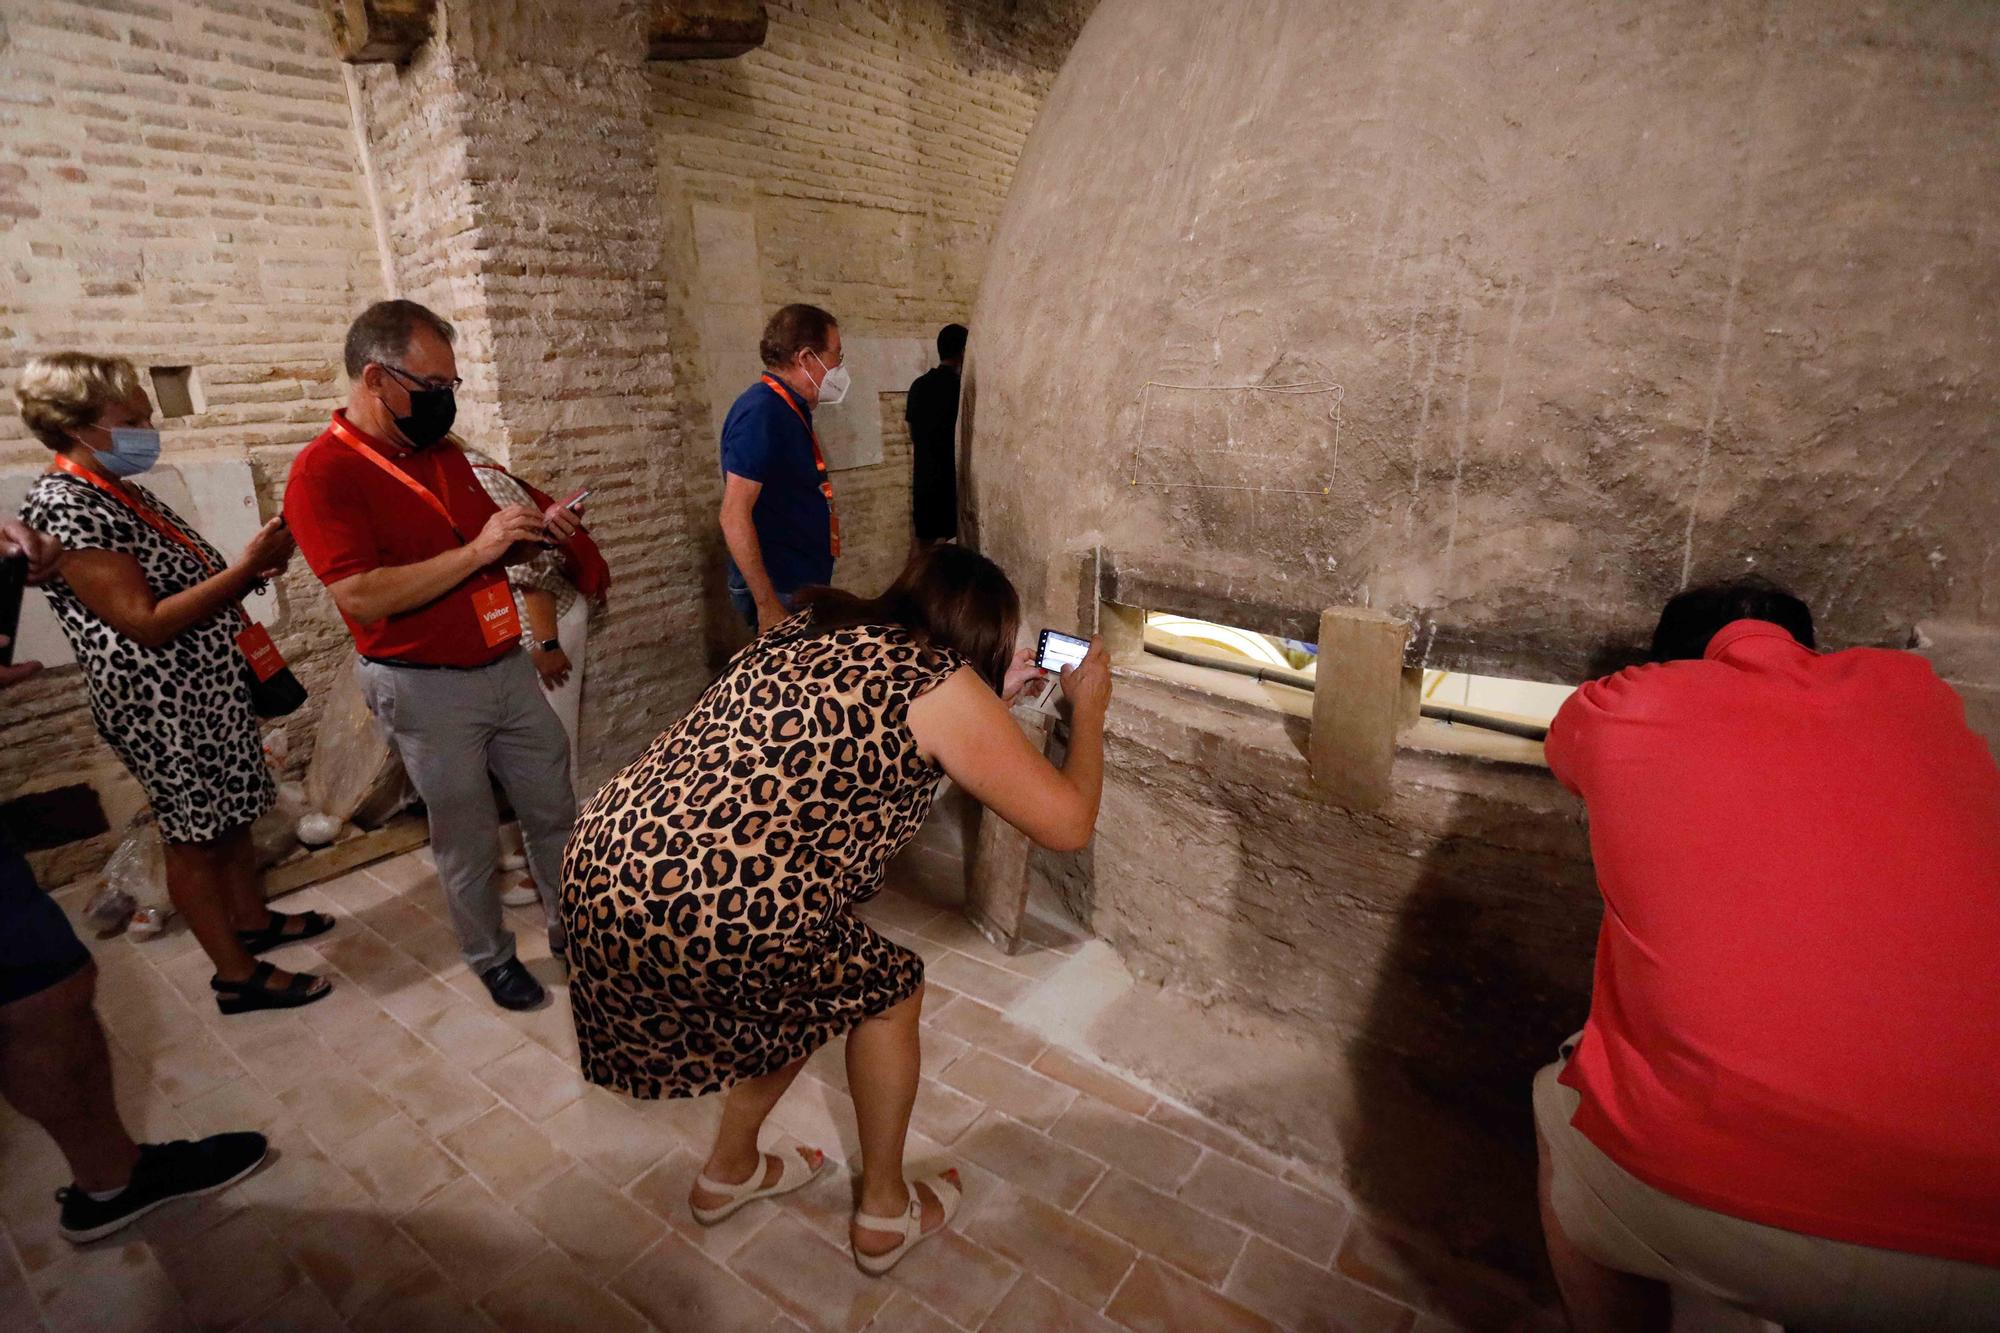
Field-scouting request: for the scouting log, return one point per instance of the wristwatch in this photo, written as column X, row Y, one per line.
column 550, row 645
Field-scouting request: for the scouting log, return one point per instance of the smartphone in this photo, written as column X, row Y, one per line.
column 582, row 494
column 13, row 581
column 1057, row 651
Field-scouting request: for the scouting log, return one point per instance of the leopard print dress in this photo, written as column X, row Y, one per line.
column 707, row 888
column 178, row 715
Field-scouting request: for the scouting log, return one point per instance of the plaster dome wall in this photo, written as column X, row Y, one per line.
column 1558, row 305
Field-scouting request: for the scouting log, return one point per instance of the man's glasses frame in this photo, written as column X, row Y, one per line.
column 418, row 381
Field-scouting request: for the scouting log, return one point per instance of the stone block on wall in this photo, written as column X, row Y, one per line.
column 851, row 431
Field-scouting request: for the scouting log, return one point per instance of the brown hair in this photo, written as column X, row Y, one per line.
column 794, row 329
column 954, row 598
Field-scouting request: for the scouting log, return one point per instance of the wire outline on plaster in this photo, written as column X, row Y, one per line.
column 1299, row 389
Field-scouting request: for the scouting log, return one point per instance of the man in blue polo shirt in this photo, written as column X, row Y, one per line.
column 777, row 503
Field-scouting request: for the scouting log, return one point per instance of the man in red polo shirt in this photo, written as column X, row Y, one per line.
column 389, row 515
column 1788, row 1092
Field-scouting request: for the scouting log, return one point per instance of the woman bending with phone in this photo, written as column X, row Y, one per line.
column 708, row 890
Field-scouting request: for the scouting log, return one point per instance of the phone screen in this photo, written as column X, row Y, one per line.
column 1058, row 651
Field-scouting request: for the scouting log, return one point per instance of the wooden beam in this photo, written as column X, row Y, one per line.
column 379, row 32
column 705, row 29
column 1203, row 593
column 1361, row 703
column 398, row 835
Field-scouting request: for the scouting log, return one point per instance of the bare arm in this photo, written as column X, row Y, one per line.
column 113, row 587
column 393, row 589
column 964, row 727
column 553, row 666
column 541, row 604
column 739, row 498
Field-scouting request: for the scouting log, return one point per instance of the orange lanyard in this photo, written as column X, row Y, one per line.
column 64, row 464
column 819, row 461
column 347, row 436
column 155, row 521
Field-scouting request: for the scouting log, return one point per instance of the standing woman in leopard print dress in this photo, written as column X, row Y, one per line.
column 149, row 609
column 708, row 888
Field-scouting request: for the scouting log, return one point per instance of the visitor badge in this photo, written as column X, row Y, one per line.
column 255, row 641
column 497, row 620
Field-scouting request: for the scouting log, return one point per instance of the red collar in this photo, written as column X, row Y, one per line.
column 1738, row 630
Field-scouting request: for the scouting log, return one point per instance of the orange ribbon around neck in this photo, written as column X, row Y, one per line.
column 348, row 436
column 253, row 639
column 819, row 461
column 493, row 603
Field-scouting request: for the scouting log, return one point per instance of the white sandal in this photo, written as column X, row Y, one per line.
column 795, row 1173
column 909, row 1224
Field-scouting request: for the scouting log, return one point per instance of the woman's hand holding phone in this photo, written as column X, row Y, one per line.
column 1087, row 685
column 1020, row 672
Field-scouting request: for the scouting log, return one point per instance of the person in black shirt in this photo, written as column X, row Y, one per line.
column 932, row 411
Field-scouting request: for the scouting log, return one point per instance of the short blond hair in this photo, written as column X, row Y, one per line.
column 63, row 391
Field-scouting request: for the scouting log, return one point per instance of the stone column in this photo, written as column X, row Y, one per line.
column 518, row 187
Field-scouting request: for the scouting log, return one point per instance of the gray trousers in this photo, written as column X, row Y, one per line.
column 453, row 729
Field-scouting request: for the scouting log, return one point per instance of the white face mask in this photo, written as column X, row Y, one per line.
column 835, row 384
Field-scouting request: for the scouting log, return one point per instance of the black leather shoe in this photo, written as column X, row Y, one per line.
column 512, row 986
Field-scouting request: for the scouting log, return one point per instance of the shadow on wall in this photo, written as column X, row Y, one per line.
column 1477, row 989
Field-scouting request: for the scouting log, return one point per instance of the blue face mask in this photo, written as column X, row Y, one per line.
column 133, row 450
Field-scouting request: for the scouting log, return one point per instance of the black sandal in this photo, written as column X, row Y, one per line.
column 242, row 997
column 273, row 935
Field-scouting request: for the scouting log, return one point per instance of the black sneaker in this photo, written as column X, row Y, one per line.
column 513, row 986
column 165, row 1172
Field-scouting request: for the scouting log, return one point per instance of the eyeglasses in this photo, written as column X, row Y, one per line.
column 419, row 381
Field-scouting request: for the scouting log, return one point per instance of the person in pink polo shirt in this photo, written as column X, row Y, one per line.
column 1788, row 1091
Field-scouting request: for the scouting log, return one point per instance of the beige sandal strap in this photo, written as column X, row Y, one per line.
column 911, row 1221
column 900, row 1224
column 788, row 1177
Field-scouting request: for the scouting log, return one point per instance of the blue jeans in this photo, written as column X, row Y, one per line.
column 746, row 605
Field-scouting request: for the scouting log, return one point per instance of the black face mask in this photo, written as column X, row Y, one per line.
column 431, row 413
column 432, row 410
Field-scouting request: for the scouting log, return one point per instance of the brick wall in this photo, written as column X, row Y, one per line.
column 178, row 186
column 186, row 184
column 870, row 147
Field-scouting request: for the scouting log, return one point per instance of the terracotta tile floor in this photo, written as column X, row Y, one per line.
column 440, row 1164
